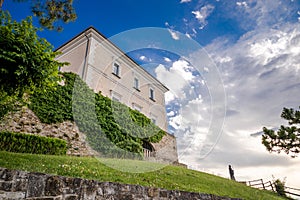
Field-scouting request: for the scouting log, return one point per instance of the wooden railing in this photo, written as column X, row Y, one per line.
column 292, row 191
column 148, row 153
column 260, row 184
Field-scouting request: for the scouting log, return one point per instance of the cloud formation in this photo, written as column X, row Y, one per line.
column 202, row 14
column 260, row 71
column 174, row 35
column 185, row 1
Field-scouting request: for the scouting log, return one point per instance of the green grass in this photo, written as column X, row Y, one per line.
column 168, row 177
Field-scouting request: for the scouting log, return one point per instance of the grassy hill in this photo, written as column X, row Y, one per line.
column 168, row 177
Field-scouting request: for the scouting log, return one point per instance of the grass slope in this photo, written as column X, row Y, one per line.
column 169, row 177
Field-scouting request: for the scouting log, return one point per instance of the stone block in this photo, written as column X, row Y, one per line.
column 70, row 197
column 163, row 193
column 89, row 189
column 45, row 198
column 6, row 185
column 54, row 186
column 153, row 192
column 6, row 175
column 12, row 195
column 20, row 182
column 36, row 185
column 73, row 185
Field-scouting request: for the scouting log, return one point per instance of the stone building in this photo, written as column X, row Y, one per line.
column 107, row 69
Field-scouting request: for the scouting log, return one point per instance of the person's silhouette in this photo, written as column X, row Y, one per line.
column 231, row 172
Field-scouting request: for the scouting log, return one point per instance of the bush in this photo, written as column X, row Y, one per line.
column 25, row 143
column 279, row 186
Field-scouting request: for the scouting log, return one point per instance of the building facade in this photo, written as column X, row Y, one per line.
column 107, row 69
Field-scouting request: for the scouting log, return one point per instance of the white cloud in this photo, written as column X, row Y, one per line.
column 188, row 115
column 188, row 35
column 177, row 77
column 243, row 3
column 142, row 57
column 202, row 14
column 261, row 75
column 260, row 14
column 224, row 59
column 191, row 125
column 174, row 35
column 260, row 71
column 167, row 59
column 182, row 67
column 198, row 15
column 185, row 1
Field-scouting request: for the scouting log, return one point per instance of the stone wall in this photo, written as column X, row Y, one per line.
column 166, row 149
column 25, row 121
column 17, row 185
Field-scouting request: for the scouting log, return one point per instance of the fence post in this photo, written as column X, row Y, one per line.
column 262, row 182
column 272, row 186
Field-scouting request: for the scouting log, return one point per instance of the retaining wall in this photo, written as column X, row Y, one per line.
column 17, row 185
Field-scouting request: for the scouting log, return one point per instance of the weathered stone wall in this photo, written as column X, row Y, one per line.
column 17, row 185
column 25, row 121
column 166, row 149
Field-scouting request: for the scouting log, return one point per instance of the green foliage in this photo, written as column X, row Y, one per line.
column 54, row 104
column 26, row 61
column 279, row 187
column 111, row 128
column 51, row 12
column 287, row 138
column 25, row 143
column 7, row 103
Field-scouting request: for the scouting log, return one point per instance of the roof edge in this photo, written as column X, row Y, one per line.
column 93, row 28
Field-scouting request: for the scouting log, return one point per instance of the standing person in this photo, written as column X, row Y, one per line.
column 231, row 172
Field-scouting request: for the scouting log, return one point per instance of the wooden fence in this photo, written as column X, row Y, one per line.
column 292, row 191
column 260, row 184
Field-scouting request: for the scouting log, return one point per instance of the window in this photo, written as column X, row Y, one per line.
column 151, row 94
column 116, row 69
column 136, row 84
column 153, row 118
column 137, row 107
column 115, row 96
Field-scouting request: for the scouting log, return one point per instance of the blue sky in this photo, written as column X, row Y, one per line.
column 113, row 17
column 252, row 46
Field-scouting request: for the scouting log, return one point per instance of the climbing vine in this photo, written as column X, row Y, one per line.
column 111, row 127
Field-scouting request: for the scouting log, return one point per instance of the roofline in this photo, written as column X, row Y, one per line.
column 110, row 42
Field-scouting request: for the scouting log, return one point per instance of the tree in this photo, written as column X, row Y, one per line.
column 26, row 61
column 51, row 12
column 287, row 138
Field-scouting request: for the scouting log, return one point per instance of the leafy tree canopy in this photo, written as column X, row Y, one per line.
column 26, row 61
column 51, row 12
column 287, row 138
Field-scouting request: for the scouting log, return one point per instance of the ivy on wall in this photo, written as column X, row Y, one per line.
column 112, row 128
